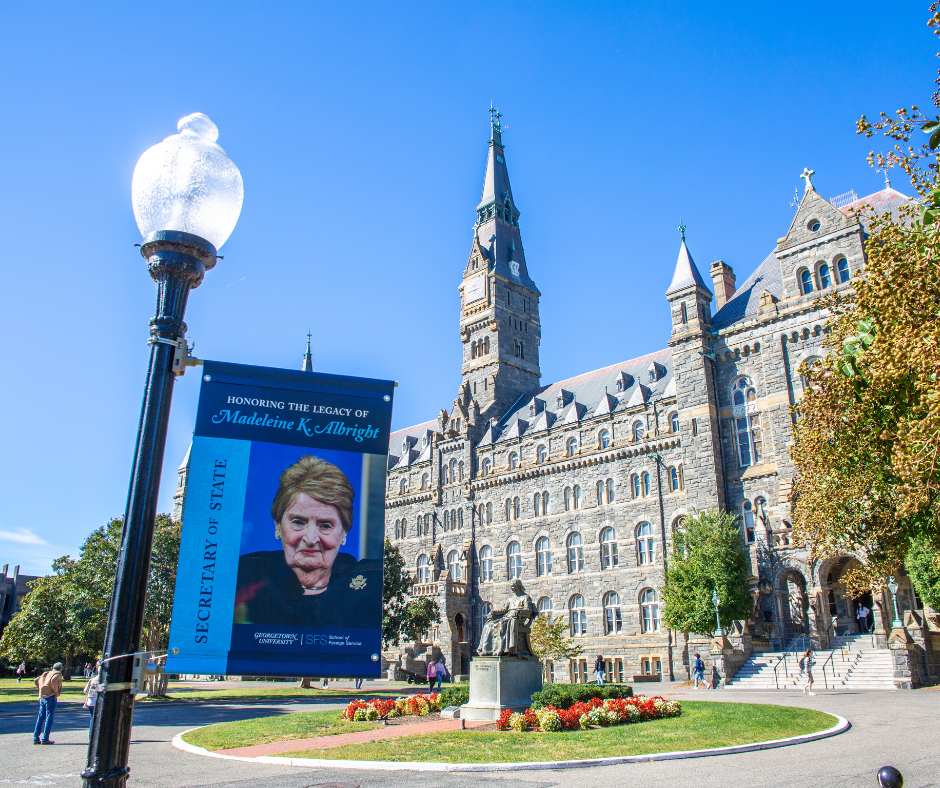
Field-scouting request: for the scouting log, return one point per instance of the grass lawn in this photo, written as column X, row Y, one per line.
column 11, row 692
column 266, row 729
column 701, row 726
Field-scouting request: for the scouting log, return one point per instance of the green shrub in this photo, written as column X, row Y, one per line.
column 456, row 695
column 564, row 696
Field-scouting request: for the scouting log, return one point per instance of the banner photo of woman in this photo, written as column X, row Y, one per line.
column 280, row 570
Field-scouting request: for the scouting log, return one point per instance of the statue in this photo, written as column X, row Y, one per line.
column 506, row 630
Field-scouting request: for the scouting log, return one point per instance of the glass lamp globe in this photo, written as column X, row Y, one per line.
column 188, row 184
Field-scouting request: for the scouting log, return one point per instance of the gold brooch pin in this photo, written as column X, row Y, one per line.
column 358, row 583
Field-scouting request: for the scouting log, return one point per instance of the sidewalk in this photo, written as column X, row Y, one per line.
column 359, row 737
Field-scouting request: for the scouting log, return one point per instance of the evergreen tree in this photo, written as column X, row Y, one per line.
column 707, row 555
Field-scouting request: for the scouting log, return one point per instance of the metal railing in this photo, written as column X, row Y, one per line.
column 802, row 640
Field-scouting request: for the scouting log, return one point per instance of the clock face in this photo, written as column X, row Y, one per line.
column 475, row 288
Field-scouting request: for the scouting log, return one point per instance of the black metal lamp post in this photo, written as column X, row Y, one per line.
column 187, row 197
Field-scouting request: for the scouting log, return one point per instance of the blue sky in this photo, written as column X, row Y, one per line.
column 360, row 130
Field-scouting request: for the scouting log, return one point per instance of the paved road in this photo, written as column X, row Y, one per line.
column 899, row 728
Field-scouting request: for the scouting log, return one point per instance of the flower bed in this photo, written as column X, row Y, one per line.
column 373, row 710
column 594, row 713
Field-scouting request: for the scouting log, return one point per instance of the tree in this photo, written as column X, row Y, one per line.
column 66, row 613
column 923, row 565
column 403, row 617
column 707, row 555
column 550, row 641
column 867, row 432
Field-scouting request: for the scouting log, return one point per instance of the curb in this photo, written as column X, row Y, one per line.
column 841, row 726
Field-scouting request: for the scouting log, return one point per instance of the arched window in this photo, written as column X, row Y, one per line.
column 508, row 509
column 649, row 610
column 675, row 478
column 447, row 521
column 613, row 621
column 567, row 499
column 842, row 268
column 487, row 467
column 578, row 615
column 806, row 281
column 543, row 556
column 424, row 569
column 425, row 481
column 674, row 422
column 513, row 461
column 453, row 564
column 635, row 485
column 542, row 454
column 544, row 605
column 609, row 555
column 644, row 544
column 610, row 490
column 685, row 313
column 825, row 278
column 427, row 524
column 575, row 553
column 638, row 431
column 402, row 486
column 576, row 496
column 522, row 350
column 748, row 510
column 460, row 518
column 514, row 560
column 646, row 484
column 459, row 472
column 600, row 493
column 486, row 564
column 486, row 345
column 604, row 439
column 743, row 392
column 750, row 442
column 572, row 447
column 537, row 504
column 516, row 508
column 489, row 512
column 445, row 474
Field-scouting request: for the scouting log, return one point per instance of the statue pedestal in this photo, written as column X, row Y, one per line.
column 498, row 683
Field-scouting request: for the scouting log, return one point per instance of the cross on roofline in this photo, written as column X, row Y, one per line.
column 495, row 115
column 807, row 174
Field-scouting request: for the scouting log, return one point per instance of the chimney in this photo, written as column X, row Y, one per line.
column 723, row 279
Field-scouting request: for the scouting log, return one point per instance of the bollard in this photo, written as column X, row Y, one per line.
column 889, row 777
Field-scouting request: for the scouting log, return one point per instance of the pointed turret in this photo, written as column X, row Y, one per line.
column 688, row 294
column 497, row 225
column 686, row 273
column 307, row 365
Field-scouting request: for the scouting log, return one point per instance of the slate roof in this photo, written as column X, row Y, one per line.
column 588, row 392
column 887, row 200
column 396, row 457
column 746, row 299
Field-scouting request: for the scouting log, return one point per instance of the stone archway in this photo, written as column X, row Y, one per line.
column 792, row 600
column 838, row 606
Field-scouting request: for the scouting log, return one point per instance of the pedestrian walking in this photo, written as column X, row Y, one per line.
column 326, row 683
column 698, row 672
column 359, row 683
column 441, row 670
column 806, row 665
column 20, row 672
column 92, row 688
column 49, row 685
column 862, row 615
column 431, row 674
column 599, row 670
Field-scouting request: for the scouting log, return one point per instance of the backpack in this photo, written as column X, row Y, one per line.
column 803, row 663
column 699, row 665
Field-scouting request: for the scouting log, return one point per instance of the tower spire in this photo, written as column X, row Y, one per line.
column 307, row 365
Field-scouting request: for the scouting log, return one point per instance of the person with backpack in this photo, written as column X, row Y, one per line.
column 698, row 672
column 49, row 685
column 806, row 665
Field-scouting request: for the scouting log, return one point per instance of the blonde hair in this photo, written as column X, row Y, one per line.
column 319, row 479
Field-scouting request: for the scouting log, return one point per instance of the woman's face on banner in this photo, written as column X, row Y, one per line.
column 311, row 532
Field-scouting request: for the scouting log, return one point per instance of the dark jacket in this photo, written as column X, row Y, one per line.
column 268, row 592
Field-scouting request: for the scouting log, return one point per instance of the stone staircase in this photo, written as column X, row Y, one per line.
column 855, row 665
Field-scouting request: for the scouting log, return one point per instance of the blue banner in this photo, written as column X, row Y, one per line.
column 280, row 569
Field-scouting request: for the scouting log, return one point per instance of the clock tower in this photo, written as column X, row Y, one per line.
column 499, row 303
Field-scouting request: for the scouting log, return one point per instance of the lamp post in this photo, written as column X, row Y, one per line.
column 716, row 600
column 187, row 196
column 893, row 588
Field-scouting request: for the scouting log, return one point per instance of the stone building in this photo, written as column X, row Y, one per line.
column 577, row 486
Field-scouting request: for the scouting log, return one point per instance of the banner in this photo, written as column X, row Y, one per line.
column 280, row 569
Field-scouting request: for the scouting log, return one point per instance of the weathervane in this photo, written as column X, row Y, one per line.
column 495, row 115
column 795, row 202
column 884, row 168
column 682, row 230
